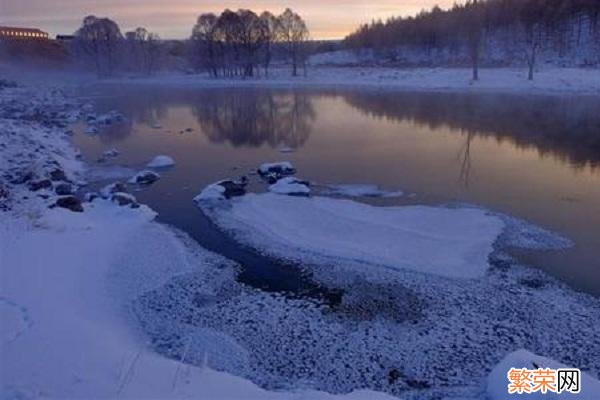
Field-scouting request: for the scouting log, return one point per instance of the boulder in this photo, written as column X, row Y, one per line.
column 146, row 177
column 117, row 187
column 69, row 202
column 222, row 190
column 91, row 196
column 36, row 185
column 58, row 174
column 63, row 189
column 124, row 199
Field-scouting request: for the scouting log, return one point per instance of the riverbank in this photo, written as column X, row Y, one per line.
column 66, row 331
column 547, row 81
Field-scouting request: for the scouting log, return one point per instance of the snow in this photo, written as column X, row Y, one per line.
column 361, row 190
column 214, row 191
column 441, row 241
column 290, row 186
column 283, row 167
column 161, row 161
column 547, row 81
column 78, row 345
column 68, row 280
column 497, row 382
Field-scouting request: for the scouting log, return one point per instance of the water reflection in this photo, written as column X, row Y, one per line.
column 537, row 158
column 563, row 127
column 256, row 118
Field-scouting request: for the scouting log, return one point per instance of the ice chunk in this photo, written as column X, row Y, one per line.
column 161, row 161
column 497, row 381
column 442, row 241
column 290, row 186
column 361, row 190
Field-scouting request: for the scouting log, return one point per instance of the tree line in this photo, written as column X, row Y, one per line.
column 492, row 31
column 238, row 43
column 242, row 43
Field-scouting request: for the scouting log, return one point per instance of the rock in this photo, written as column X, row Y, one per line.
column 161, row 161
column 272, row 172
column 58, row 175
column 290, row 186
column 146, row 177
column 110, row 118
column 69, row 202
column 124, row 199
column 22, row 177
column 40, row 184
column 91, row 196
column 222, row 190
column 108, row 154
column 63, row 189
column 283, row 168
column 233, row 188
column 3, row 191
column 91, row 130
column 107, row 190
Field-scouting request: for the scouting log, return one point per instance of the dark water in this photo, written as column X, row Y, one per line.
column 537, row 158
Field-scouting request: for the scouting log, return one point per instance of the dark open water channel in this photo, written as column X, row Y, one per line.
column 537, row 158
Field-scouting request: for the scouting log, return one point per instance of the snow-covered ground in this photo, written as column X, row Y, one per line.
column 67, row 277
column 550, row 80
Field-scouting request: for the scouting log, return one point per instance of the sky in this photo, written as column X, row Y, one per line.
column 173, row 19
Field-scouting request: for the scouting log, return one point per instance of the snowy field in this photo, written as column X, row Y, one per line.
column 548, row 80
column 98, row 300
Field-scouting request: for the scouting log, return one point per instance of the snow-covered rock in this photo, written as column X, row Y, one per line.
column 361, row 190
column 91, row 130
column 161, row 161
column 449, row 242
column 497, row 381
column 274, row 171
column 124, row 199
column 69, row 202
column 115, row 187
column 222, row 190
column 63, row 188
column 290, row 186
column 110, row 118
column 108, row 154
column 146, row 177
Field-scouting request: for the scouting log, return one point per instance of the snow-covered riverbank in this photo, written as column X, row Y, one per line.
column 551, row 80
column 66, row 276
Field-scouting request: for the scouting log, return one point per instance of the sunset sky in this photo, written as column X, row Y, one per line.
column 173, row 19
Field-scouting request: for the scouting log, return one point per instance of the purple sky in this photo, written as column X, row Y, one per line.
column 175, row 18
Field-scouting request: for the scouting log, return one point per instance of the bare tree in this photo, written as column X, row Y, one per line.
column 473, row 26
column 294, row 34
column 273, row 35
column 143, row 50
column 204, row 43
column 253, row 33
column 531, row 21
column 99, row 39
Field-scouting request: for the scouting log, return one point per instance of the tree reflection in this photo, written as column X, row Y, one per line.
column 567, row 128
column 253, row 118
